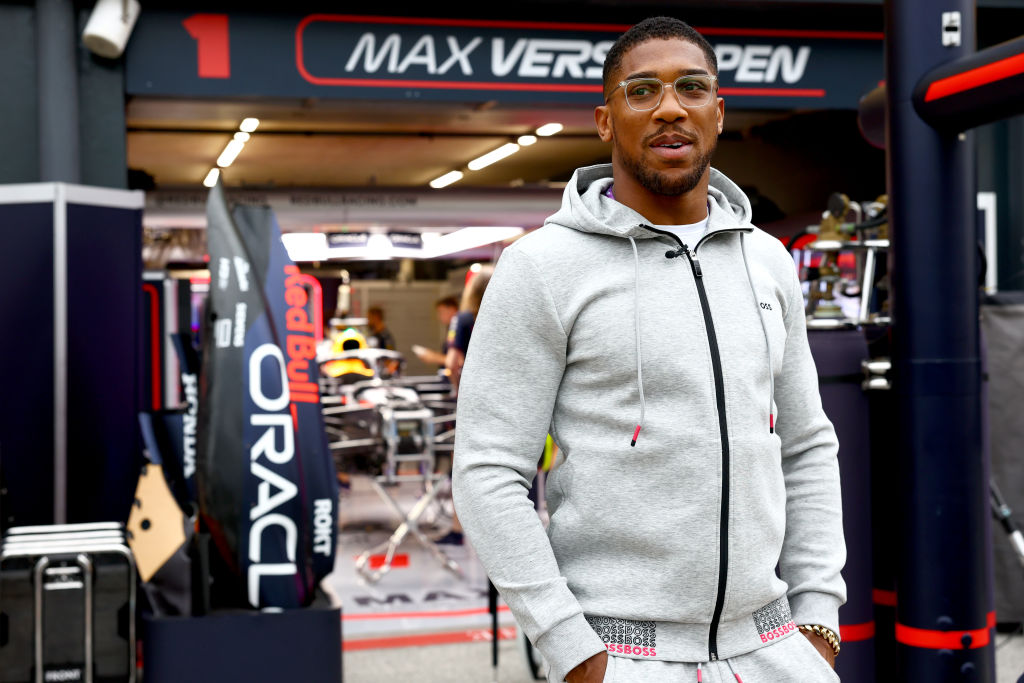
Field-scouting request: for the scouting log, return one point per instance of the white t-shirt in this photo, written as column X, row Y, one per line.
column 688, row 234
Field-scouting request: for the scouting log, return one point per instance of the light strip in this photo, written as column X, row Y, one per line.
column 212, row 177
column 446, row 179
column 506, row 150
column 526, row 140
column 468, row 238
column 230, row 153
column 306, row 246
column 549, row 129
column 249, row 125
column 312, row 246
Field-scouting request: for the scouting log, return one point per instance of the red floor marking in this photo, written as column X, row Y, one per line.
column 481, row 635
column 421, row 615
column 397, row 562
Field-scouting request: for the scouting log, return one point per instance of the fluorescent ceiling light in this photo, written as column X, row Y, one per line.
column 549, row 129
column 467, row 238
column 446, row 179
column 505, row 150
column 242, row 137
column 249, row 125
column 526, row 140
column 211, row 177
column 230, row 153
column 305, row 246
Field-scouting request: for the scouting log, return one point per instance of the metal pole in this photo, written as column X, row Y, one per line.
column 942, row 612
column 57, row 89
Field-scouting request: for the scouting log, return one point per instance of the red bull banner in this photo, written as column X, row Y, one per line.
column 267, row 484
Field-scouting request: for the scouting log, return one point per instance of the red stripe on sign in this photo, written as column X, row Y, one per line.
column 792, row 33
column 476, row 23
column 975, row 78
column 881, row 597
column 991, row 620
column 942, row 640
column 849, row 633
column 773, row 92
column 421, row 615
column 475, row 635
column 573, row 26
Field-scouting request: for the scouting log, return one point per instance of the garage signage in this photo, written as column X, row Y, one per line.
column 353, row 56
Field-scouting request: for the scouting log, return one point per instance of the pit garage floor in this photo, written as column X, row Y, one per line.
column 422, row 623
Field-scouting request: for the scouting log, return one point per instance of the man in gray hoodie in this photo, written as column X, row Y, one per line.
column 695, row 530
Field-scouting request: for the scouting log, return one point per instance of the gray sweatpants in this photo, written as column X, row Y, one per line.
column 790, row 660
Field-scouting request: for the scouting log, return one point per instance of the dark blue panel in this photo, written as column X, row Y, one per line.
column 104, row 286
column 291, row 645
column 26, row 361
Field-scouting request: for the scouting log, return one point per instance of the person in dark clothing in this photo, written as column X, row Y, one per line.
column 380, row 336
column 461, row 327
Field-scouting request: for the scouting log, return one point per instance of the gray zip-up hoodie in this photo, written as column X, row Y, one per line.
column 602, row 331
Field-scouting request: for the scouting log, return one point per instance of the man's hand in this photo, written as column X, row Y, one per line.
column 823, row 648
column 589, row 670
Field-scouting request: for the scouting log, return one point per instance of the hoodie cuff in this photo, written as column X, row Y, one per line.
column 567, row 645
column 816, row 608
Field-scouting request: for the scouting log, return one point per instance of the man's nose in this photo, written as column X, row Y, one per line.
column 669, row 109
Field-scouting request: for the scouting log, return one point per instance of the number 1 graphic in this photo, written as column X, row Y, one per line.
column 213, row 54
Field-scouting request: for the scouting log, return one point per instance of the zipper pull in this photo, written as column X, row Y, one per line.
column 694, row 261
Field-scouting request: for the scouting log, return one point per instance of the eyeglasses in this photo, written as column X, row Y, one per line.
column 692, row 90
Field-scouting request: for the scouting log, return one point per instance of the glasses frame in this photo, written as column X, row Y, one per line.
column 711, row 98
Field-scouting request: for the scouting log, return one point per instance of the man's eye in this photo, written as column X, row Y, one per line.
column 643, row 90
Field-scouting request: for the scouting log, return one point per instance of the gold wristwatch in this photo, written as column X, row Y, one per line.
column 826, row 633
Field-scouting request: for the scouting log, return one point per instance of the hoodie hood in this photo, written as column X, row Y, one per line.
column 586, row 208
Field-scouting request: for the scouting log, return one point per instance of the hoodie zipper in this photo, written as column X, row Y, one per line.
column 723, row 524
column 716, row 366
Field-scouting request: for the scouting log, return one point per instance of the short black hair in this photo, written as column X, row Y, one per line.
column 655, row 28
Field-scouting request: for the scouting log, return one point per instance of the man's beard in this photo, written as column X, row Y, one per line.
column 661, row 183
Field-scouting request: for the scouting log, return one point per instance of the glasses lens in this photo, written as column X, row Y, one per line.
column 693, row 90
column 643, row 94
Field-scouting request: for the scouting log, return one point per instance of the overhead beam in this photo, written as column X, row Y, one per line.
column 973, row 90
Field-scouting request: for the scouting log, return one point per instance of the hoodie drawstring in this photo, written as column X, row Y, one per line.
column 735, row 675
column 636, row 325
column 767, row 342
column 639, row 363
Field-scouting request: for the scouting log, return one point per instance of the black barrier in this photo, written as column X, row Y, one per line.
column 943, row 621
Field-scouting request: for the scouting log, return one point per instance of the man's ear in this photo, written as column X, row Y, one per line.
column 603, row 119
column 721, row 115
